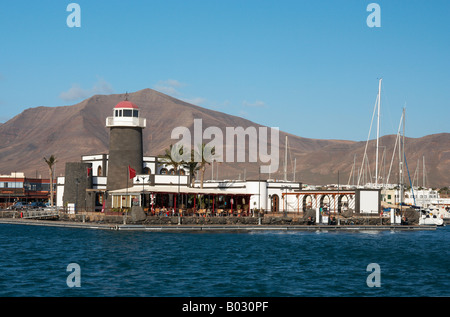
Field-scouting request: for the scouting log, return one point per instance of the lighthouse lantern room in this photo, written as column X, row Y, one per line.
column 126, row 114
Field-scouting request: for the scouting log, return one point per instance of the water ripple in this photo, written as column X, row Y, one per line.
column 268, row 264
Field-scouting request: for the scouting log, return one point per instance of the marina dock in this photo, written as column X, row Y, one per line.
column 215, row 228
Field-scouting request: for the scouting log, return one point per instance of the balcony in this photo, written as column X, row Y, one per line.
column 135, row 122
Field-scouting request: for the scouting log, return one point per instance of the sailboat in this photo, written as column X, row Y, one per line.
column 427, row 217
column 365, row 158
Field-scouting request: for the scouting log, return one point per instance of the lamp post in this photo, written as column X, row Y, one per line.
column 259, row 191
column 285, row 200
column 178, row 194
column 142, row 178
column 77, row 181
column 338, row 201
column 270, row 203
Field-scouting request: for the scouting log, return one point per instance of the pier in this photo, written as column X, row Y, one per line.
column 214, row 228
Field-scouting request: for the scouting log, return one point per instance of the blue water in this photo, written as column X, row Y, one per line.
column 34, row 260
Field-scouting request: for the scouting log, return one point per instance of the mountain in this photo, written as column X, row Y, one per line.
column 68, row 132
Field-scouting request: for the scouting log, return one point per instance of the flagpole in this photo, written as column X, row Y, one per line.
column 126, row 197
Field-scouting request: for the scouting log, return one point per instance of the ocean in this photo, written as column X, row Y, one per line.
column 38, row 261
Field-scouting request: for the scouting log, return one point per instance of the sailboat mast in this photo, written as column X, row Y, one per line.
column 378, row 131
column 285, row 158
column 295, row 166
column 423, row 172
column 402, row 158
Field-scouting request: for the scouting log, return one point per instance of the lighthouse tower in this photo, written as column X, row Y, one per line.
column 125, row 144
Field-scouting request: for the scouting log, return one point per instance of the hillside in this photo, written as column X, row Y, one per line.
column 71, row 131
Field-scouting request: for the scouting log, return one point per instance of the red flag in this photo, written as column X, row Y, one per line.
column 131, row 172
column 89, row 170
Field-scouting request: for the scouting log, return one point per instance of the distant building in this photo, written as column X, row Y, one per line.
column 17, row 187
column 424, row 197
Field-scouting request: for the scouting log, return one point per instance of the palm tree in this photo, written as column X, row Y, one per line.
column 204, row 160
column 195, row 165
column 169, row 159
column 51, row 161
column 192, row 165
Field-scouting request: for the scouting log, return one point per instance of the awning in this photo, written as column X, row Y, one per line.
column 138, row 189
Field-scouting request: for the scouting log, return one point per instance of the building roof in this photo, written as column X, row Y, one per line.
column 136, row 189
column 126, row 104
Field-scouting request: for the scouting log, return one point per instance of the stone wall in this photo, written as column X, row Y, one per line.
column 266, row 220
column 76, row 182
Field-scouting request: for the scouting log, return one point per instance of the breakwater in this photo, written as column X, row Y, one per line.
column 138, row 217
column 174, row 226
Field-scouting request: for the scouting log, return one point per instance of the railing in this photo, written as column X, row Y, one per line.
column 39, row 214
column 126, row 121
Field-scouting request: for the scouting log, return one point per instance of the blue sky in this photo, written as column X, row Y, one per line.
column 310, row 68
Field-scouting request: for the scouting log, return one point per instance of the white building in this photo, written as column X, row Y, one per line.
column 159, row 186
column 269, row 195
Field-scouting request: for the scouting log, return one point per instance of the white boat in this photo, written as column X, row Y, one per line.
column 428, row 218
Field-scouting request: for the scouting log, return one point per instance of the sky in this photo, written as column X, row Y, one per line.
column 310, row 68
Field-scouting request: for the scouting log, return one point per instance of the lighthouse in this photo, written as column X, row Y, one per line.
column 125, row 144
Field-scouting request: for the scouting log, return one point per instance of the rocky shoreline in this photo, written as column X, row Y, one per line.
column 137, row 220
column 137, row 217
column 175, row 227
column 301, row 219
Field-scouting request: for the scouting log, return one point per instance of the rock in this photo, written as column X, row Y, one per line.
column 309, row 213
column 347, row 213
column 137, row 214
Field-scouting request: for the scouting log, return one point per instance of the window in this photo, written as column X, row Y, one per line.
column 116, row 113
column 275, row 203
column 11, row 185
column 135, row 113
column 389, row 196
column 116, row 201
column 127, row 113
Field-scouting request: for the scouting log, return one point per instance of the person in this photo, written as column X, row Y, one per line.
column 333, row 221
column 404, row 221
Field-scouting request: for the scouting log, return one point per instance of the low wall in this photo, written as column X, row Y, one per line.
column 266, row 219
column 175, row 220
